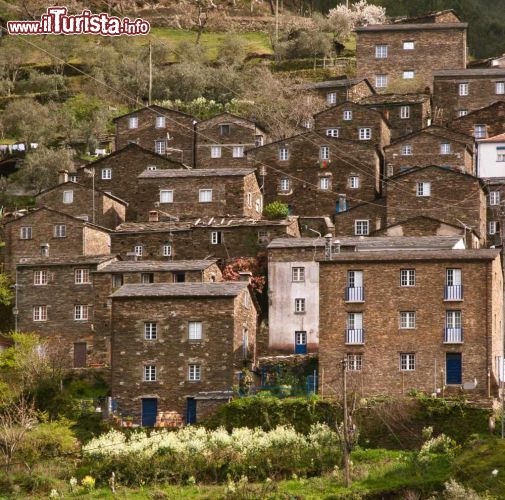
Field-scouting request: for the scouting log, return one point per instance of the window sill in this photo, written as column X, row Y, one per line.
column 195, row 341
column 300, row 313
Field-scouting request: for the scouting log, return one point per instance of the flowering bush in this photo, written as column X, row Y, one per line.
column 199, row 454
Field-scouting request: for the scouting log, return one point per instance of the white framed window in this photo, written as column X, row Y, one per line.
column 407, row 150
column 365, row 134
column 59, row 230
column 149, row 373
column 133, row 122
column 81, row 312
column 25, row 233
column 492, row 227
column 160, row 122
column 348, row 115
column 494, row 198
column 480, row 131
column 332, row 132
column 68, row 197
column 216, row 237
column 166, row 196
column 195, row 330
column 205, row 195
column 423, row 189
column 453, row 319
column 463, row 89
column 331, row 97
column 40, row 277
column 324, row 152
column 44, row 250
column 72, row 177
column 324, row 183
column 167, row 250
column 381, row 81
column 408, row 45
column 298, row 274
column 258, row 141
column 238, row 151
column 361, row 227
column 194, row 373
column 147, row 278
column 299, row 306
column 500, row 156
column 409, row 74
column 500, row 88
column 106, row 174
column 150, row 330
column 39, row 313
column 215, row 151
column 445, row 148
column 283, row 154
column 138, row 250
column 284, row 184
column 152, row 168
column 407, row 277
column 354, row 362
column 258, row 205
column 407, row 320
column 354, row 321
column 381, row 51
column 404, row 112
column 160, row 147
column 462, row 112
column 354, row 182
column 81, row 276
column 407, row 361
column 263, row 237
column 249, row 199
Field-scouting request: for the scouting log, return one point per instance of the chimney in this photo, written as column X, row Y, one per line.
column 62, row 176
column 245, row 276
column 154, row 216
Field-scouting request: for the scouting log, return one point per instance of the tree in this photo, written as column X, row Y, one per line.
column 257, row 266
column 276, row 210
column 12, row 56
column 6, row 294
column 232, row 51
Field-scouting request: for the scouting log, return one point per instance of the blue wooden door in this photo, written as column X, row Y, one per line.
column 453, row 366
column 149, row 411
column 300, row 342
column 191, row 411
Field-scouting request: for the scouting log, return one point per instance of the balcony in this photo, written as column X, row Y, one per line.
column 453, row 336
column 355, row 294
column 453, row 292
column 355, row 336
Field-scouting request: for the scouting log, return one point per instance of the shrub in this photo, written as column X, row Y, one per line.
column 276, row 210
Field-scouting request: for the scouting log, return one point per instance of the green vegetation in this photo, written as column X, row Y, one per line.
column 276, row 210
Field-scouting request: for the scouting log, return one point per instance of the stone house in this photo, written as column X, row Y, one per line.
column 405, row 113
column 117, row 173
column 428, row 321
column 362, row 219
column 84, row 203
column 400, row 57
column 221, row 192
column 221, row 141
column 339, row 91
column 317, row 175
column 495, row 210
column 164, row 131
column 491, row 157
column 457, row 93
column 209, row 237
column 353, row 122
column 180, row 347
column 47, row 233
column 56, row 300
column 430, row 146
column 482, row 123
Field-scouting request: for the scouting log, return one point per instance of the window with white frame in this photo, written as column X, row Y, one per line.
column 492, row 227
column 365, row 134
column 147, row 278
column 407, row 150
column 216, row 237
column 205, row 195
column 348, row 115
column 298, row 274
column 462, row 112
column 106, row 174
column 81, row 312
column 500, row 88
column 407, row 277
column 150, row 330
column 195, row 330
column 324, row 183
column 299, row 306
column 160, row 147
column 283, row 154
column 354, row 182
column 59, row 230
column 72, row 177
column 445, row 148
column 258, row 205
column 68, row 197
column 407, row 320
column 324, row 152
column 194, row 373
column 258, row 140
column 133, row 122
column 500, row 156
column 354, row 321
column 453, row 319
column 166, row 196
column 238, row 151
column 480, row 131
column 167, row 250
column 40, row 277
column 149, row 373
column 25, row 233
column 463, row 89
column 332, row 132
column 381, row 51
column 81, row 276
column 381, row 81
column 423, row 189
column 494, row 198
column 408, row 45
column 249, row 198
column 284, row 184
column 409, row 74
column 331, row 97
column 160, row 122
column 354, row 362
column 407, row 361
column 44, row 250
column 39, row 313
column 215, row 151
column 361, row 227
column 404, row 112
column 263, row 237
column 138, row 250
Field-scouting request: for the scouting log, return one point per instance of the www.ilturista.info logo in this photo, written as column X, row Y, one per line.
column 56, row 21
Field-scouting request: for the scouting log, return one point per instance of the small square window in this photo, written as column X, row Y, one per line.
column 263, row 237
column 133, row 122
column 361, row 227
column 167, row 250
column 68, row 197
column 407, row 362
column 194, row 373
column 59, row 230
column 205, row 195
column 381, row 81
column 166, row 196
column 160, row 147
column 224, row 129
column 215, row 151
column 462, row 112
column 407, row 150
column 408, row 45
column 365, row 134
column 381, row 51
column 216, row 237
column 324, row 183
column 238, row 151
column 409, row 74
column 348, row 115
column 324, row 153
column 480, row 131
column 407, row 277
column 40, row 277
column 463, row 89
column 106, row 174
column 195, row 330
column 283, row 154
column 81, row 312
column 354, row 362
column 160, row 122
column 299, row 306
column 354, row 182
column 404, row 112
column 81, row 276
column 25, row 233
column 332, row 132
column 284, row 184
column 149, row 373
column 407, row 320
column 331, row 97
column 39, row 313
column 150, row 330
column 152, row 168
column 298, row 274
column 445, row 148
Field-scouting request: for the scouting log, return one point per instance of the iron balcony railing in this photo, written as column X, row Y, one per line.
column 453, row 292
column 453, row 335
column 355, row 294
column 355, row 336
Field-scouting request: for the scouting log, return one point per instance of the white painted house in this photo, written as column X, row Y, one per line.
column 491, row 157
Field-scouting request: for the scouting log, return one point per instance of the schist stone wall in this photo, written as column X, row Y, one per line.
column 482, row 123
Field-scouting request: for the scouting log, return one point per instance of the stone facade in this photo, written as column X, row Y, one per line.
column 161, row 130
column 199, row 193
column 342, row 90
column 311, row 185
column 482, row 123
column 221, row 141
column 495, row 211
column 371, row 216
column 457, row 93
column 83, row 202
column 386, row 357
column 350, row 121
column 53, row 234
column 227, row 315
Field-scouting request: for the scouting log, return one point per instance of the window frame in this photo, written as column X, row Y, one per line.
column 284, row 181
column 84, row 274
column 167, row 192
column 404, row 112
column 333, row 132
column 65, row 196
column 238, row 152
column 106, row 174
column 353, row 182
column 354, row 362
column 407, row 320
column 202, row 194
column 407, row 150
column 347, row 115
column 406, row 45
column 215, row 151
column 216, row 237
column 39, row 313
column 192, row 331
column 150, row 330
column 463, row 89
column 500, row 88
column 40, row 277
column 133, row 122
column 408, row 74
column 26, row 233
column 59, row 230
column 166, row 250
column 81, row 312
column 283, row 154
column 381, row 51
column 160, row 121
column 383, row 80
column 364, row 223
column 194, row 372
column 408, row 361
column 445, row 148
column 298, row 274
column 324, row 183
column 331, row 98
column 423, row 189
column 150, row 373
column 365, row 133
column 408, row 278
column 300, row 305
column 494, row 198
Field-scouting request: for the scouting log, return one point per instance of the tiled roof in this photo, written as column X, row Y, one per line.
column 395, row 99
column 125, row 266
column 65, row 261
column 222, row 289
column 414, row 26
column 495, row 138
column 470, row 72
column 201, row 172
column 328, row 84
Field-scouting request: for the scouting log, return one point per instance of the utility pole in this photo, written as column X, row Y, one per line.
column 345, row 440
column 150, row 71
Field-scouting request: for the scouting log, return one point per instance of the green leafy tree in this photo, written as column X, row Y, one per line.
column 276, row 210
